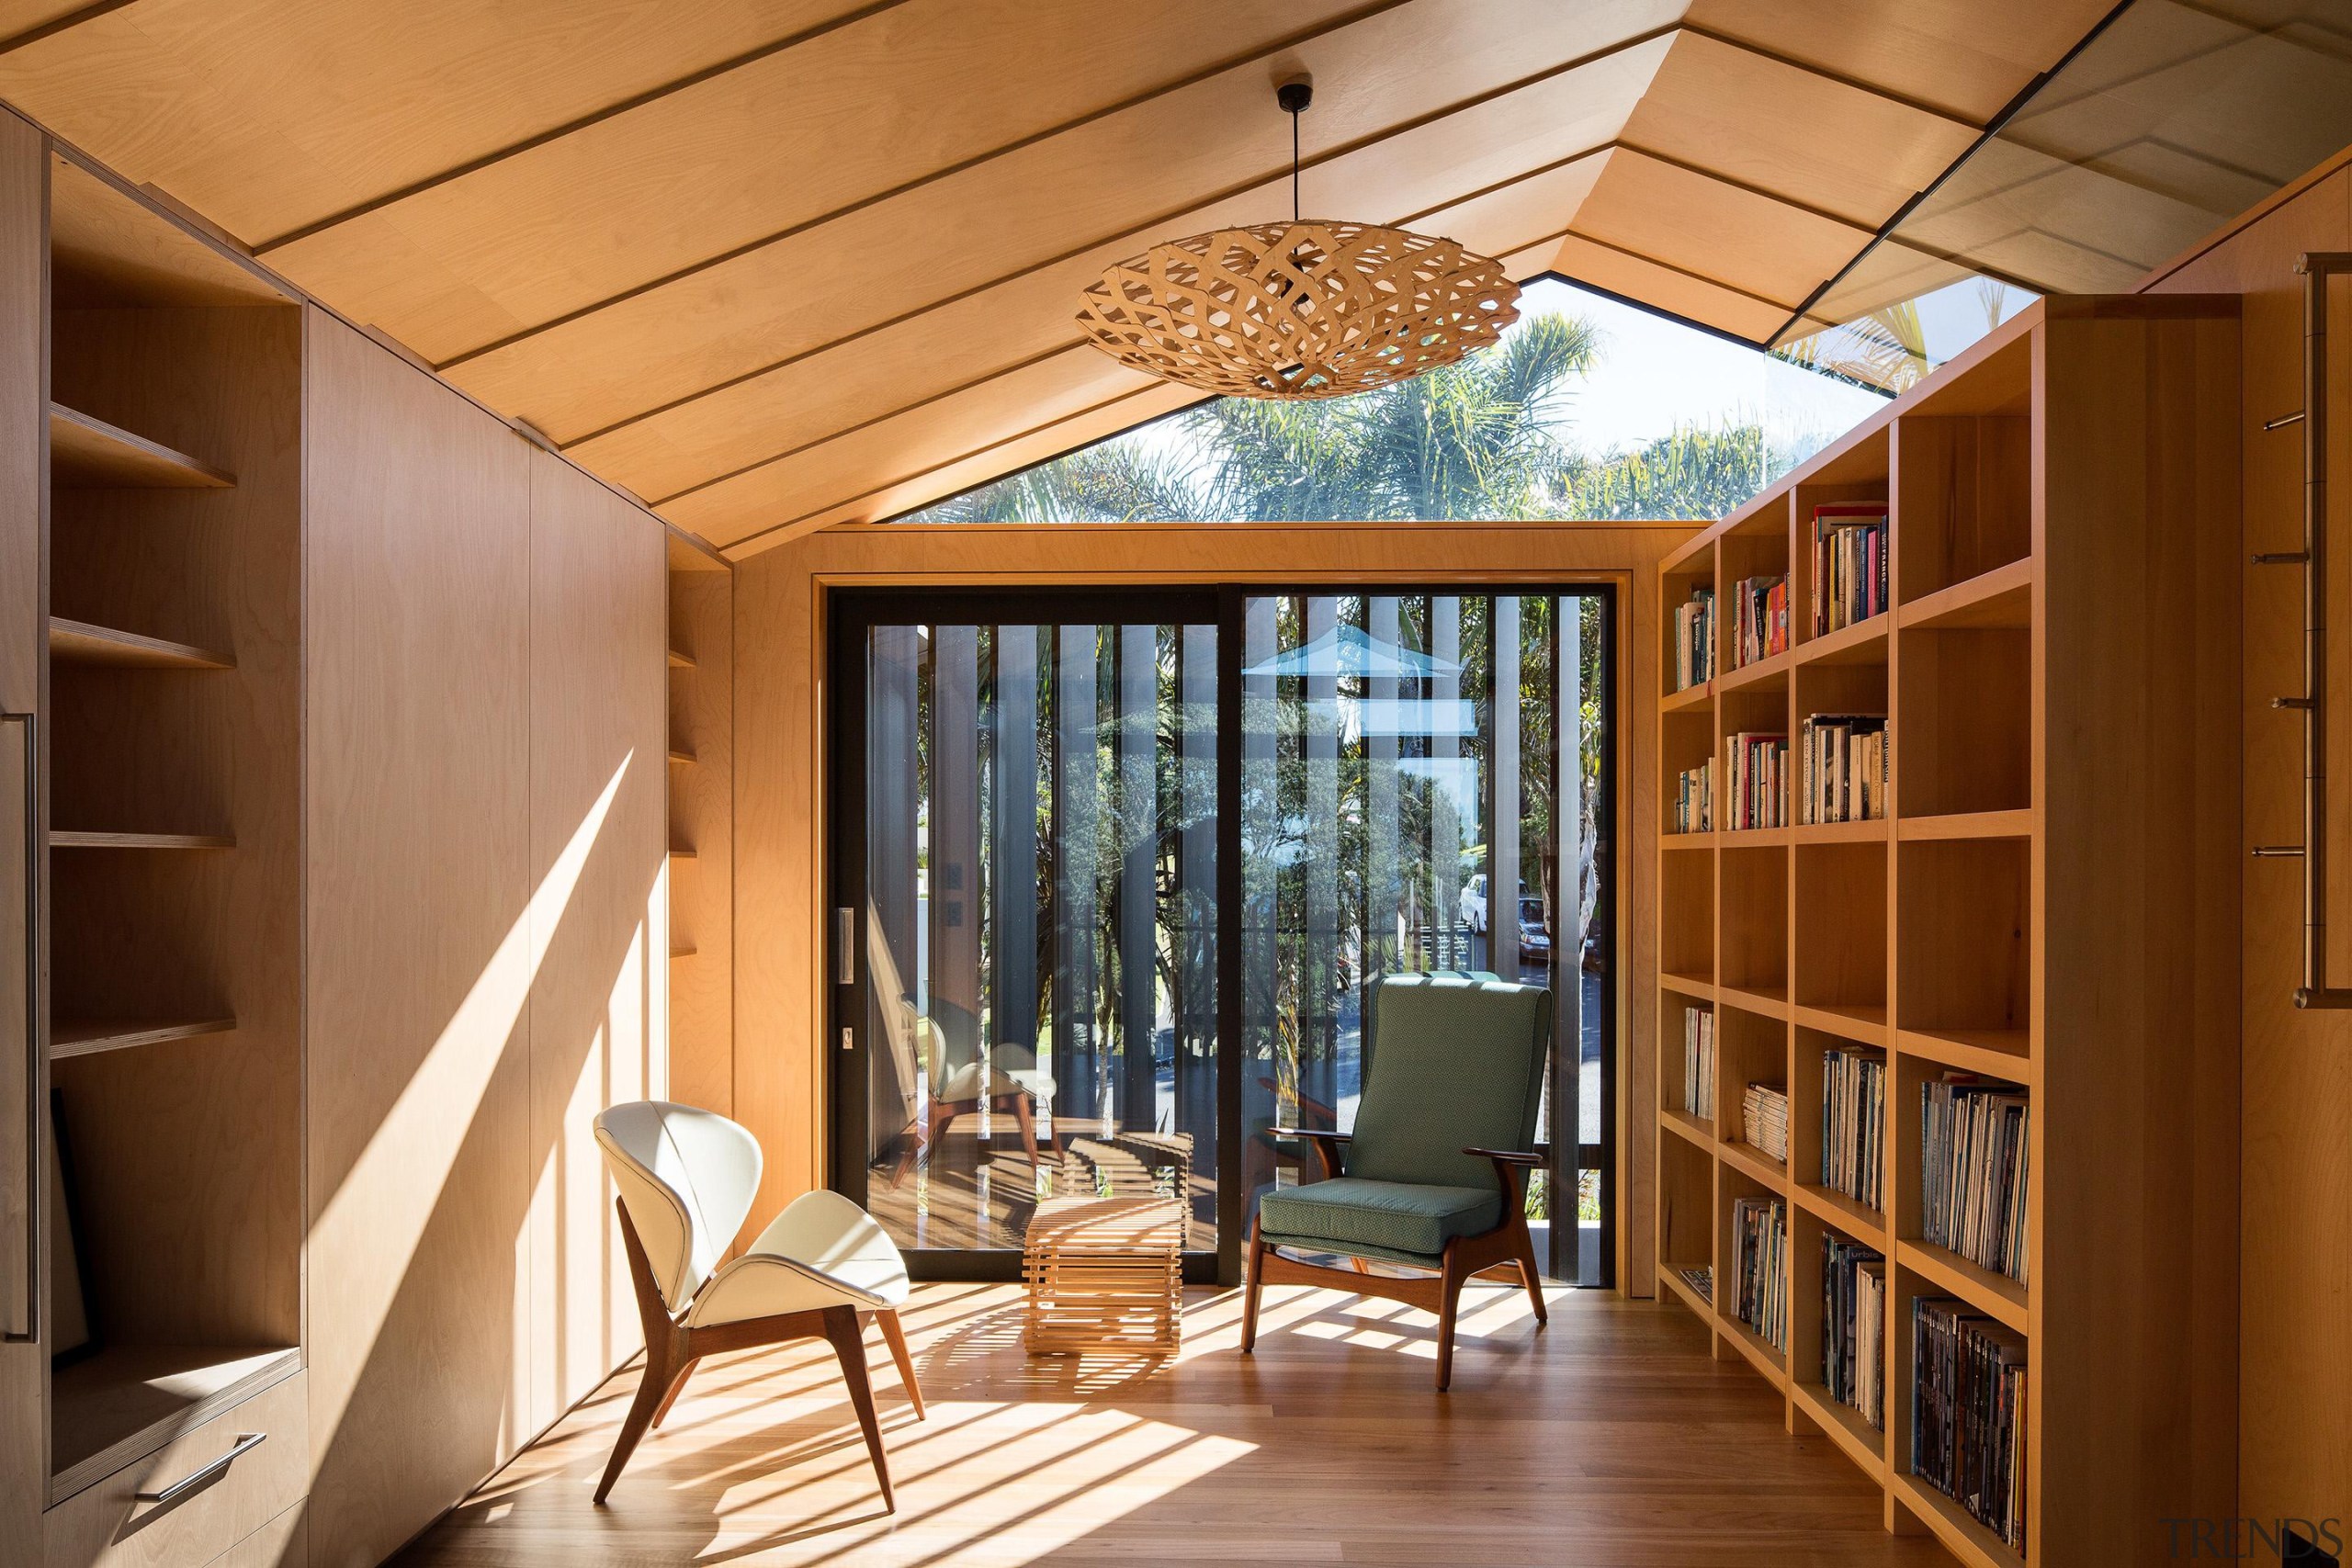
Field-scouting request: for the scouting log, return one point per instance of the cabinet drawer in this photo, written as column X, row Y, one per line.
column 109, row 1527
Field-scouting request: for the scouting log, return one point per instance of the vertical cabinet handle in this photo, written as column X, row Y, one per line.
column 844, row 946
column 28, row 1063
column 2317, row 267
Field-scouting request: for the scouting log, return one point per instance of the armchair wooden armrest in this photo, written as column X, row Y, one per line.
column 1325, row 1145
column 1510, row 1165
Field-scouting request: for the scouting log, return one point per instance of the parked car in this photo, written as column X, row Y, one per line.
column 1472, row 910
column 1534, row 941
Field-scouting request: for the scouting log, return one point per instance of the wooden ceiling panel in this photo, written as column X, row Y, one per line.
column 794, row 262
column 766, row 530
column 848, row 471
column 947, row 351
column 1581, row 260
column 705, row 174
column 268, row 115
column 1073, row 205
column 1967, row 58
column 1794, row 134
column 1717, row 231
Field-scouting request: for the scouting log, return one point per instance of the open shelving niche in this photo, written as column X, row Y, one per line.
column 1913, row 937
column 174, row 1026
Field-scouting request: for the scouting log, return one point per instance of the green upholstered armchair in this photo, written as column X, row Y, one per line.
column 1433, row 1175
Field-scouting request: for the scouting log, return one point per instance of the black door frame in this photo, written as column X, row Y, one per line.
column 850, row 613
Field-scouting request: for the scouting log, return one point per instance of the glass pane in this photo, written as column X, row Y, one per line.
column 1400, row 765
column 1041, row 875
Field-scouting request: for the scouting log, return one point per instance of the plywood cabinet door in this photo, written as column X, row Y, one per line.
column 23, row 435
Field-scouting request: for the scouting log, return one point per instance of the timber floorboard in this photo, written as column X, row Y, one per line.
column 1608, row 1439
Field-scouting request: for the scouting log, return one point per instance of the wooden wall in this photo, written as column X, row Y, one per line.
column 485, row 838
column 24, row 261
column 780, row 998
column 2295, row 1176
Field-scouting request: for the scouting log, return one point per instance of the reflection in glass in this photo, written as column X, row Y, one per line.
column 1399, row 756
column 1041, row 885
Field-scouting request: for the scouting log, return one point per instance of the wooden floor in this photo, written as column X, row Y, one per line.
column 1609, row 1437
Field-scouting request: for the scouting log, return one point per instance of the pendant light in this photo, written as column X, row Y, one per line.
column 1313, row 307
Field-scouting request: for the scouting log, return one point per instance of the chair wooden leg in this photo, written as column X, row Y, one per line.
column 1530, row 1275
column 1249, row 1290
column 1028, row 1125
column 891, row 1330
column 664, row 1366
column 677, row 1387
column 848, row 1348
column 1449, row 1294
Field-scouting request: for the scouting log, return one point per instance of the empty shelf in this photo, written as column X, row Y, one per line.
column 127, row 1401
column 78, row 642
column 90, row 454
column 681, row 851
column 684, row 758
column 77, row 839
column 87, row 1037
column 681, row 660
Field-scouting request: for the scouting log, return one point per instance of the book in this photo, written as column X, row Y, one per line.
column 1849, row 564
column 1969, row 1386
column 1760, row 1237
column 1764, row 1120
column 1853, row 1326
column 1699, row 1063
column 1694, row 639
column 1756, row 782
column 1700, row 1279
column 1843, row 767
column 1760, row 605
column 1853, row 1122
column 1694, row 798
column 1975, row 1143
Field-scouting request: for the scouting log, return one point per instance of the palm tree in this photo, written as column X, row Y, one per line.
column 1475, row 439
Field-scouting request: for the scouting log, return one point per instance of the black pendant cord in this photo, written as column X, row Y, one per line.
column 1294, row 166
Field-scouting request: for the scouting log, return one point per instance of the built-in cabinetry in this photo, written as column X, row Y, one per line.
column 2047, row 900
column 702, row 821
column 337, row 901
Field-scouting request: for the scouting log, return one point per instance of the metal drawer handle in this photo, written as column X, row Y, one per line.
column 246, row 1442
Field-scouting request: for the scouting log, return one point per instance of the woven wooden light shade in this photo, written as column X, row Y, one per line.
column 1313, row 309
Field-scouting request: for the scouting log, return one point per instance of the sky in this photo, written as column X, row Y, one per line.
column 1657, row 376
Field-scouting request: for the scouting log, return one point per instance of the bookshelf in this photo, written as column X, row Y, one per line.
column 2048, row 899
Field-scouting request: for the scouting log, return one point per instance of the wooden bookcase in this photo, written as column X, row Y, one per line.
column 2052, row 900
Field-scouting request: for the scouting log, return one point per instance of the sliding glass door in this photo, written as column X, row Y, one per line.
column 1423, row 787
column 1116, row 874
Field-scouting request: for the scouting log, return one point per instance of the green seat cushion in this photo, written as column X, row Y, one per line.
column 1396, row 1216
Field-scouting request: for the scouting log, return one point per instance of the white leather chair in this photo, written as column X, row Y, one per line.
column 686, row 1179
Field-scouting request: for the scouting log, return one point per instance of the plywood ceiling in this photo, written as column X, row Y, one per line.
column 777, row 264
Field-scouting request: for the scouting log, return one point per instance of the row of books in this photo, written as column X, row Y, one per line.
column 1968, row 1394
column 1759, row 1253
column 1853, row 1123
column 1699, row 1063
column 1694, row 639
column 1853, row 1326
column 1764, row 1120
column 1761, row 606
column 1758, row 766
column 1848, row 565
column 1974, row 1171
column 1694, row 798
column 1844, row 767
